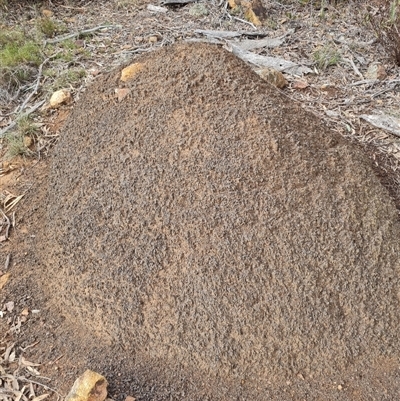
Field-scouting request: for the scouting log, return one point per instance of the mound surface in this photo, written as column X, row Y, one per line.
column 209, row 224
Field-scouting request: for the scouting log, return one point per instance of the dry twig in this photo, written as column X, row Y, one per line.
column 27, row 113
column 77, row 34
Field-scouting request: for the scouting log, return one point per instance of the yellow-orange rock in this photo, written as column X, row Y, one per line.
column 254, row 10
column 91, row 386
column 272, row 76
column 129, row 72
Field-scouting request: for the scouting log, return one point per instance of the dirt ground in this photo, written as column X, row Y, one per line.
column 206, row 237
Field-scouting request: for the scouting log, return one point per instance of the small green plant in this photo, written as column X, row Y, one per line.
column 16, row 145
column 68, row 77
column 19, row 141
column 47, row 26
column 326, row 57
column 26, row 126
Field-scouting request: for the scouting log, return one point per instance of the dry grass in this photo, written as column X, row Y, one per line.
column 385, row 21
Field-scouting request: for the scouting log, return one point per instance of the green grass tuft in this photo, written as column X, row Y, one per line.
column 326, row 57
column 16, row 49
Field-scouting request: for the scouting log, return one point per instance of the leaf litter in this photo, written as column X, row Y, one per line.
column 19, row 377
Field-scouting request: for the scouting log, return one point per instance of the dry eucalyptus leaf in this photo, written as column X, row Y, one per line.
column 40, row 397
column 25, row 362
column 33, row 371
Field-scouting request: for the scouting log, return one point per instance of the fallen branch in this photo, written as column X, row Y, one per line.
column 84, row 32
column 231, row 34
column 257, row 44
column 276, row 63
column 220, row 34
column 391, row 85
column 383, row 121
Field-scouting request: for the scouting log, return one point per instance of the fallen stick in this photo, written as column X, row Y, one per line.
column 8, row 224
column 14, row 123
column 84, row 32
column 7, row 264
column 244, row 22
column 356, row 70
column 229, row 34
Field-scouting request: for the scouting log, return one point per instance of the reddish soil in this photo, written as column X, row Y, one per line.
column 207, row 238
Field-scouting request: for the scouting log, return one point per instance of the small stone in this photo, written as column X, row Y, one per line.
column 91, row 386
column 153, row 39
column 25, row 312
column 130, row 398
column 339, row 387
column 272, row 76
column 80, row 43
column 129, row 72
column 47, row 13
column 9, row 306
column 122, row 93
column 300, row 84
column 376, row 71
column 60, row 97
column 198, row 10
